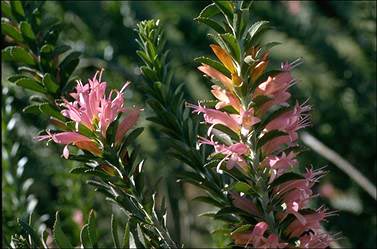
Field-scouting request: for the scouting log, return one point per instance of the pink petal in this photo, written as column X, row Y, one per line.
column 128, row 122
column 66, row 152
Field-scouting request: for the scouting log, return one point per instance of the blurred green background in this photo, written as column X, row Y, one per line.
column 337, row 40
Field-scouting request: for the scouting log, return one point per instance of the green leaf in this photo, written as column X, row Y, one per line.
column 13, row 78
column 209, row 11
column 132, row 136
column 233, row 45
column 269, row 136
column 126, row 236
column 21, row 55
column 215, row 64
column 241, row 187
column 30, row 84
column 50, row 83
column 5, row 9
column 242, row 228
column 34, row 109
column 9, row 30
column 286, row 177
column 92, row 229
column 27, row 31
column 114, row 231
column 59, row 237
column 68, row 65
column 84, row 237
column 51, row 111
column 61, row 49
column 211, row 23
column 17, row 9
column 226, row 7
column 256, row 28
column 78, row 170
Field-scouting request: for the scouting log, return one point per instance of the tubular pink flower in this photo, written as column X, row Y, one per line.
column 316, row 240
column 73, row 138
column 279, row 165
column 226, row 98
column 276, row 84
column 213, row 116
column 233, row 153
column 297, row 228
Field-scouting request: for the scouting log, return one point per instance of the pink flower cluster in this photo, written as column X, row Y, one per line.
column 292, row 196
column 96, row 111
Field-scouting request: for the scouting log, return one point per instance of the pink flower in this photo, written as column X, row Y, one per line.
column 237, row 122
column 279, row 165
column 92, row 108
column 73, row 138
column 254, row 237
column 279, row 99
column 212, row 116
column 289, row 122
column 295, row 194
column 244, row 204
column 276, row 84
column 312, row 222
column 315, row 240
column 226, row 98
column 233, row 153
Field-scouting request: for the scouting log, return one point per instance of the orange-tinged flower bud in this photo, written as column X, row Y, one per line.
column 224, row 57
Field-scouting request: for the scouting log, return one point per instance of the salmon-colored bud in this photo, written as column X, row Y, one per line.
column 214, row 74
column 259, row 70
column 224, row 57
column 89, row 146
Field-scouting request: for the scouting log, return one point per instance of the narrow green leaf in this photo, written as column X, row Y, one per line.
column 215, row 64
column 126, row 236
column 114, row 231
column 92, row 229
column 84, row 237
column 211, row 23
column 30, row 84
column 59, row 237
